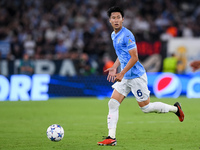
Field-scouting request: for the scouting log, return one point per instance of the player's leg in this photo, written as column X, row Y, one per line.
column 118, row 95
column 113, row 114
column 112, row 118
column 160, row 107
column 142, row 95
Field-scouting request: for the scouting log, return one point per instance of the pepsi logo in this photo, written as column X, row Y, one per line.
column 193, row 88
column 167, row 85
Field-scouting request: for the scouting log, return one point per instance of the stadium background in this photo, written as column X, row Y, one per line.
column 70, row 41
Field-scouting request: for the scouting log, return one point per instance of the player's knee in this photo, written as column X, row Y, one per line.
column 113, row 104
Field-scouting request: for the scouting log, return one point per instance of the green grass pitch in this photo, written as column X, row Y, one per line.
column 23, row 125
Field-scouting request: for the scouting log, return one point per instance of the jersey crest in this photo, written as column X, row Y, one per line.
column 118, row 40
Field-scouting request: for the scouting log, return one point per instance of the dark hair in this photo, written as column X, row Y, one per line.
column 115, row 9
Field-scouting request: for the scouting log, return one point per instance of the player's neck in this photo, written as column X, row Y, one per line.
column 117, row 30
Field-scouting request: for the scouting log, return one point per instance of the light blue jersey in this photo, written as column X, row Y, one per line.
column 124, row 41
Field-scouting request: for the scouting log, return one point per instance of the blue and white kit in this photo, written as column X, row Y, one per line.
column 135, row 79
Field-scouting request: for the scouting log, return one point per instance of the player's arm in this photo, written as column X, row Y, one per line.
column 132, row 61
column 116, row 64
column 112, row 71
column 130, row 64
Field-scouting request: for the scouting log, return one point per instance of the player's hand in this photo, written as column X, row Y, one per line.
column 111, row 74
column 119, row 77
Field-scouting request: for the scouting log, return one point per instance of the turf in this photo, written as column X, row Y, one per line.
column 23, row 125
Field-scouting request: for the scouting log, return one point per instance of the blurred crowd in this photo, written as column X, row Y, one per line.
column 80, row 30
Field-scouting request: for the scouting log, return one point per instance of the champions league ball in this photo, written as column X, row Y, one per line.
column 55, row 132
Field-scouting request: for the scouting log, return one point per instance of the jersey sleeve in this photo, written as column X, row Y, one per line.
column 130, row 41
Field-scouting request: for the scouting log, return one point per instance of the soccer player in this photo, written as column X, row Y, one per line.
column 195, row 65
column 131, row 78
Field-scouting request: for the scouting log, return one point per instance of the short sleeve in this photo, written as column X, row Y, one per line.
column 130, row 41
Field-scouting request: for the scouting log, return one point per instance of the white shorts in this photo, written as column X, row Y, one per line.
column 138, row 86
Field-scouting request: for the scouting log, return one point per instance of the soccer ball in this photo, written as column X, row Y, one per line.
column 55, row 132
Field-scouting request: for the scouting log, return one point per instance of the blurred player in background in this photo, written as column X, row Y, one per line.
column 195, row 65
column 131, row 78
